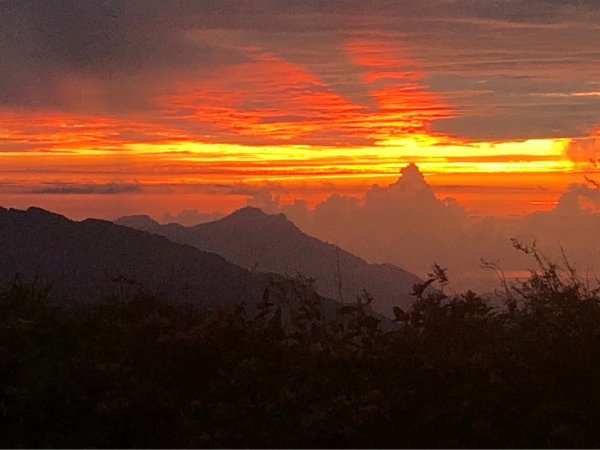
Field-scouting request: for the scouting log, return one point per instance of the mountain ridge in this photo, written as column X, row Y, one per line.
column 259, row 241
column 82, row 259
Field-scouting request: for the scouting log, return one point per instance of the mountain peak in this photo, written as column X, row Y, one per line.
column 39, row 213
column 411, row 181
column 248, row 212
column 141, row 221
column 271, row 243
column 251, row 214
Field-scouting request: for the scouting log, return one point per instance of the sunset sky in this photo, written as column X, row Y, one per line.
column 111, row 107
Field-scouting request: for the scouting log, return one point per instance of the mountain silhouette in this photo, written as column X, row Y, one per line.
column 90, row 260
column 271, row 243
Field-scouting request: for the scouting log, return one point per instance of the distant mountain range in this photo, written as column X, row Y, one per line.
column 271, row 243
column 90, row 260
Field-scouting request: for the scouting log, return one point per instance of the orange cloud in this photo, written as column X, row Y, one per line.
column 405, row 105
column 41, row 132
column 585, row 151
column 270, row 100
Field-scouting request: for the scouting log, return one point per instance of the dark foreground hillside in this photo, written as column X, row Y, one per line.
column 143, row 373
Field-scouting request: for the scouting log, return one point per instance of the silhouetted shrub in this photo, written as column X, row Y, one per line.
column 451, row 372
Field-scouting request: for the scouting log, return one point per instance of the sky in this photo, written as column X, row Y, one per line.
column 110, row 107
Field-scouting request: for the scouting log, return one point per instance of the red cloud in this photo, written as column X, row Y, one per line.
column 270, row 100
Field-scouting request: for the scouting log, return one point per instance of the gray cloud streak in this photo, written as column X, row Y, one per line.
column 88, row 189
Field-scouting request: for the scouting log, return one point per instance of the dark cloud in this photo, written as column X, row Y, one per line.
column 88, row 189
column 104, row 36
column 539, row 124
column 45, row 45
column 492, row 108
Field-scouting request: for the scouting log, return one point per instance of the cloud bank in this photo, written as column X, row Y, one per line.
column 406, row 224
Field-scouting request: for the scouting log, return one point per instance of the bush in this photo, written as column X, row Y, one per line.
column 451, row 371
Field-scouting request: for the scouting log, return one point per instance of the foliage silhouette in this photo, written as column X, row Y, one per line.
column 451, row 372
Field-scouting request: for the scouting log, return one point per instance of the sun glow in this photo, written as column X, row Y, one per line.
column 431, row 153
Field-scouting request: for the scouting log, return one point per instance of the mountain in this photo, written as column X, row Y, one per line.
column 82, row 260
column 271, row 243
